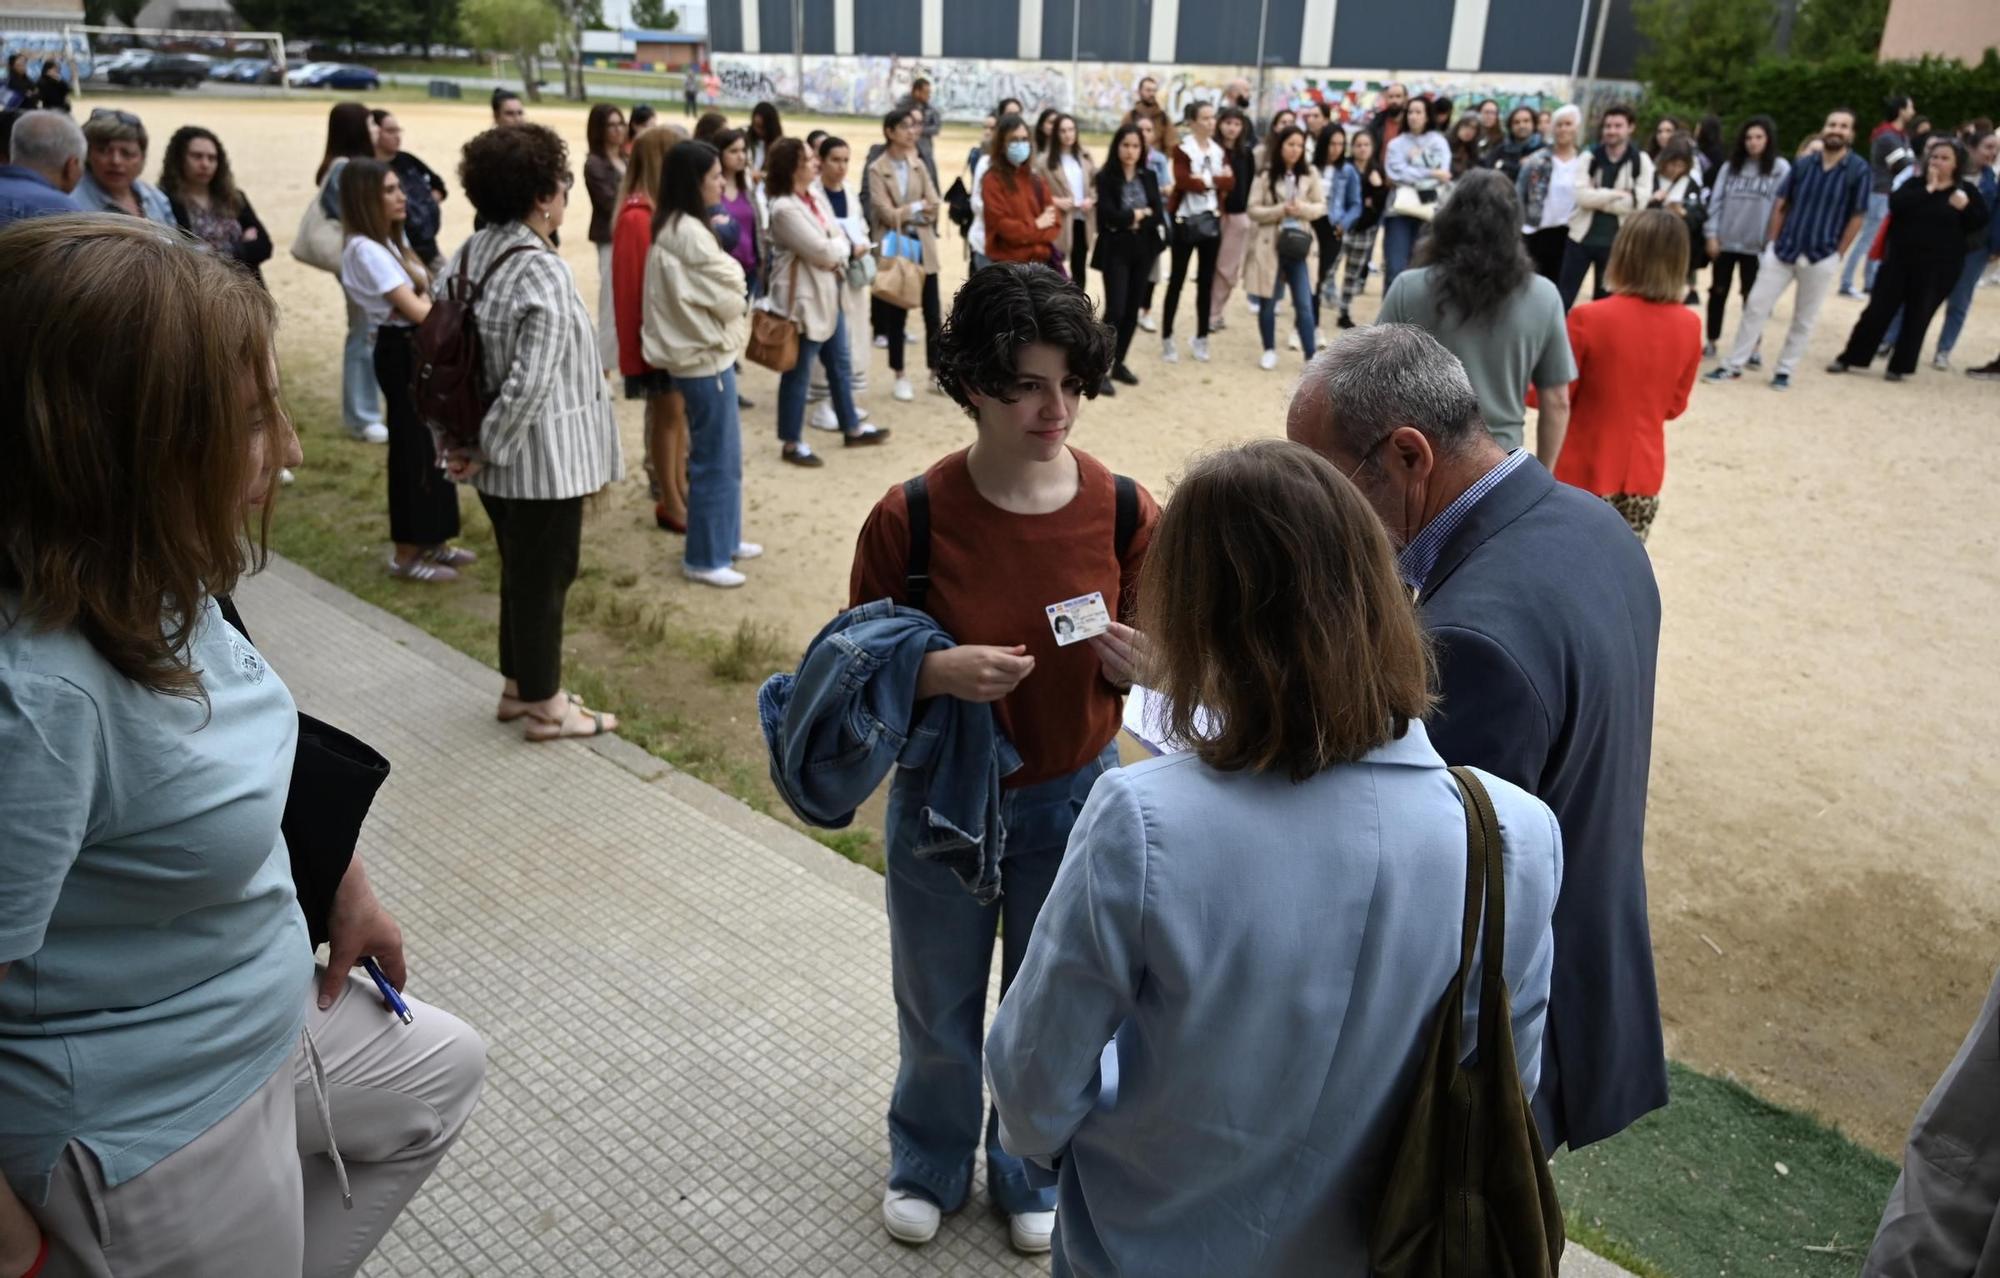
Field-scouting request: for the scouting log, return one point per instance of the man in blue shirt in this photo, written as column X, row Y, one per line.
column 47, row 164
column 1817, row 216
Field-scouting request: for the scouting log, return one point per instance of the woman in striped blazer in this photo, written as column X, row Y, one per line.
column 549, row 439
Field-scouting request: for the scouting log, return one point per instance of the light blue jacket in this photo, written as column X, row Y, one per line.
column 1343, row 195
column 1269, row 957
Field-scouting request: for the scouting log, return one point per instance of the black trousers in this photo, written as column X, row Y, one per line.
column 1545, row 249
column 1328, row 236
column 423, row 504
column 1577, row 261
column 1204, row 283
column 1124, row 290
column 1076, row 265
column 1744, row 267
column 1915, row 288
column 893, row 321
column 539, row 542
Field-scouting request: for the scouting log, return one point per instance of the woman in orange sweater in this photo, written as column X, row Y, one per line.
column 1022, row 225
column 1637, row 353
column 666, row 411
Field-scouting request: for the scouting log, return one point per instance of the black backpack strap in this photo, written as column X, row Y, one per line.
column 1127, row 524
column 917, row 579
column 486, row 276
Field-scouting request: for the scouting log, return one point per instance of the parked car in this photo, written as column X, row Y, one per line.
column 348, row 76
column 308, row 75
column 170, row 70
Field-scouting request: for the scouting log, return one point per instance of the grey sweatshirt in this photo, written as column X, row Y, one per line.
column 1739, row 205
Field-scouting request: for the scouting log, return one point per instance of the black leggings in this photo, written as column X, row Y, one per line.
column 423, row 504
column 1745, row 265
column 1204, row 283
column 892, row 321
column 1329, row 257
column 1545, row 248
column 1124, row 287
column 539, row 542
column 1079, row 251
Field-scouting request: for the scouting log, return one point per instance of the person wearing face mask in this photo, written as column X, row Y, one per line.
column 1017, row 522
column 1816, row 218
column 1021, row 223
column 1545, row 618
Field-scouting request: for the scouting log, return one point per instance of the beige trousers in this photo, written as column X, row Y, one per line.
column 1229, row 257
column 256, row 1195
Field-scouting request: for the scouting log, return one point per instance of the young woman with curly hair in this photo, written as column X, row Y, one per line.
column 1018, row 521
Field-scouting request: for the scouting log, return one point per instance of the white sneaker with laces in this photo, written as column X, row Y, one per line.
column 1168, row 353
column 823, row 418
column 903, row 391
column 721, row 578
column 1146, row 322
column 747, row 550
column 1268, row 360
column 1200, row 348
column 372, row 433
column 910, row 1218
column 1032, row 1232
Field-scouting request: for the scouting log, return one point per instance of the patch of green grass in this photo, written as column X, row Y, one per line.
column 1695, row 1190
column 856, row 845
column 750, row 655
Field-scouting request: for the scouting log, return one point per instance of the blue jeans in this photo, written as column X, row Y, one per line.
column 360, row 399
column 715, row 470
column 1399, row 237
column 1871, row 221
column 792, row 387
column 1956, row 306
column 1299, row 276
column 940, row 954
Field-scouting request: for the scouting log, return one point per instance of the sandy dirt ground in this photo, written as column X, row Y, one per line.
column 1822, row 850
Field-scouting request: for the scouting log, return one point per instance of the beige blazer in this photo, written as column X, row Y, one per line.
column 886, row 213
column 1267, row 212
column 821, row 252
column 1059, row 185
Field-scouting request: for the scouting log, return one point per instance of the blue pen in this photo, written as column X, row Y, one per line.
column 390, row 998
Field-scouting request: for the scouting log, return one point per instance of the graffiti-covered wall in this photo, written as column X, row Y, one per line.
column 967, row 88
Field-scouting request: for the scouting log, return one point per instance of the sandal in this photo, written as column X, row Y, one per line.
column 512, row 708
column 578, row 721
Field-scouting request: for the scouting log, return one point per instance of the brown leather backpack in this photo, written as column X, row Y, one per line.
column 1469, row 1194
column 445, row 377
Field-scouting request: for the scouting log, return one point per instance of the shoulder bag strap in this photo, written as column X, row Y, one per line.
column 917, row 576
column 486, row 276
column 1482, row 829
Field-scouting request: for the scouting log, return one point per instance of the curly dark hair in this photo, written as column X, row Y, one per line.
column 1009, row 305
column 1475, row 247
column 506, row 169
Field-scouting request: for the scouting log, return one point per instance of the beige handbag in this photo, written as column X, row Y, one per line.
column 1408, row 201
column 319, row 238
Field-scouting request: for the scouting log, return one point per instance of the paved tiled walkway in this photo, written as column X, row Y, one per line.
column 687, row 1005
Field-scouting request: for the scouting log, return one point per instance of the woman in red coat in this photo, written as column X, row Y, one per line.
column 1637, row 353
column 1021, row 224
column 666, row 411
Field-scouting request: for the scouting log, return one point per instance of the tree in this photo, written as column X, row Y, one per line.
column 519, row 27
column 653, row 15
column 104, row 12
column 1829, row 28
column 1698, row 50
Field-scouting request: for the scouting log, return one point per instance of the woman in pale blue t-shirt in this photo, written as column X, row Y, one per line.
column 157, row 985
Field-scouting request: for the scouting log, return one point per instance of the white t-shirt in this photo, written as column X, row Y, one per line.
column 370, row 272
column 1564, row 178
column 1073, row 174
column 1203, row 162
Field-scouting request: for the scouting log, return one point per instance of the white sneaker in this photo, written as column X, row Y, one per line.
column 910, row 1218
column 372, row 433
column 747, row 550
column 903, row 391
column 1168, row 353
column 1200, row 348
column 1032, row 1232
column 881, row 341
column 1268, row 360
column 823, row 418
column 1941, row 361
column 1146, row 322
column 721, row 578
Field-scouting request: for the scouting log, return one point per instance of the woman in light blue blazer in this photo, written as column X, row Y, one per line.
column 1261, row 925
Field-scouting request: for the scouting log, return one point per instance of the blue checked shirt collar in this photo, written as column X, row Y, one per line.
column 1419, row 557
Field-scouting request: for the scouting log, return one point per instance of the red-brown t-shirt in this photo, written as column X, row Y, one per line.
column 993, row 573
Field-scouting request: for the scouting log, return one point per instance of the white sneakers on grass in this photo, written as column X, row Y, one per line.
column 914, row 1219
column 725, row 578
column 1268, row 360
column 372, row 433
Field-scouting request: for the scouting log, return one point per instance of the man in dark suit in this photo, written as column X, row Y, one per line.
column 1547, row 623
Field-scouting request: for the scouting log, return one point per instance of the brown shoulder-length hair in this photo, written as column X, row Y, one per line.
column 781, row 166
column 222, row 191
column 1281, row 634
column 121, row 497
column 1649, row 258
column 648, row 162
column 364, row 213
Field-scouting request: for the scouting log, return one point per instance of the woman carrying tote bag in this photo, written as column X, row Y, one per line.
column 350, row 135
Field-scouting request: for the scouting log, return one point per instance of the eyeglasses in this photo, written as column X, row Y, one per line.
column 1366, row 455
column 123, row 117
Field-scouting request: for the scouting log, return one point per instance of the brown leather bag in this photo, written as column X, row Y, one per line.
column 1469, row 1194
column 774, row 338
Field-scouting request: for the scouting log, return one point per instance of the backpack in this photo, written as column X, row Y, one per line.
column 1601, row 166
column 445, row 377
column 917, row 495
